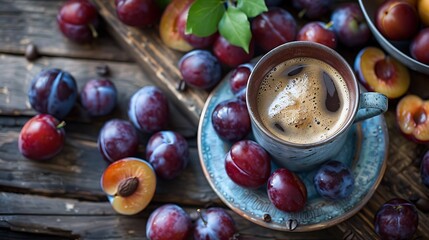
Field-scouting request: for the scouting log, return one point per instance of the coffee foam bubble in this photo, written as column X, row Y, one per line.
column 291, row 100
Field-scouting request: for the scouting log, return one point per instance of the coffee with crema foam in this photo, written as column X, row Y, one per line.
column 303, row 100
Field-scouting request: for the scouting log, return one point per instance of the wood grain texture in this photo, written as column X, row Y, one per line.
column 62, row 199
column 146, row 47
column 17, row 74
column 77, row 170
column 34, row 21
column 70, row 218
column 80, row 159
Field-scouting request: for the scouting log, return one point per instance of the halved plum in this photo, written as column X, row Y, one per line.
column 412, row 115
column 169, row 26
column 381, row 73
column 130, row 185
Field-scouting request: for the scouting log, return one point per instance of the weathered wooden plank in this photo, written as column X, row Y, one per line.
column 70, row 218
column 26, row 204
column 154, row 57
column 80, row 158
column 34, row 21
column 76, row 172
column 128, row 78
column 5, row 233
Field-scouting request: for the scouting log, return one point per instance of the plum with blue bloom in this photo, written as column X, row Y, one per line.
column 200, row 69
column 149, row 109
column 334, row 180
column 53, row 91
column 99, row 97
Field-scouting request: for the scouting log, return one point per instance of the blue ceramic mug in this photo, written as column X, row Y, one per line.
column 302, row 98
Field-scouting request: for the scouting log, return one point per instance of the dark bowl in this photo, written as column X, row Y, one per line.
column 397, row 49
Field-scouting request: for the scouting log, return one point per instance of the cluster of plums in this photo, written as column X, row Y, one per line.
column 399, row 20
column 201, row 66
column 53, row 94
column 130, row 182
column 78, row 20
column 170, row 221
column 248, row 165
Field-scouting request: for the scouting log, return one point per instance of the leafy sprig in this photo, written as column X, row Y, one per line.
column 229, row 17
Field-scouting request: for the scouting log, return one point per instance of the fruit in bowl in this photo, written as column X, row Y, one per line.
column 41, row 138
column 381, row 73
column 399, row 49
column 412, row 116
column 419, row 48
column 130, row 185
column 397, row 20
column 423, row 9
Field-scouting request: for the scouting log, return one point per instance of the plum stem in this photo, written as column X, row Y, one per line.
column 61, row 124
column 302, row 13
column 93, row 31
column 201, row 216
column 398, row 208
column 329, row 24
column 127, row 186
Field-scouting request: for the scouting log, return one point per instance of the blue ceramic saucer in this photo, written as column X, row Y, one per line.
column 365, row 152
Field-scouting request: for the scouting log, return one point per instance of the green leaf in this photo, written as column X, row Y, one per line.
column 204, row 17
column 235, row 27
column 252, row 8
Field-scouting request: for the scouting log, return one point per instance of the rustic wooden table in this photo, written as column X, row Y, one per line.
column 62, row 198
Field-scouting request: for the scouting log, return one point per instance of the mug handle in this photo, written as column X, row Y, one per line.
column 371, row 104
